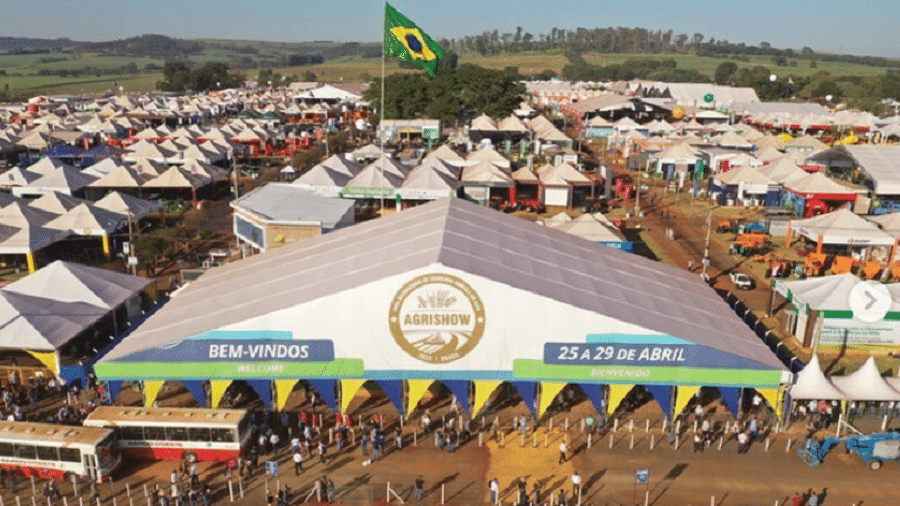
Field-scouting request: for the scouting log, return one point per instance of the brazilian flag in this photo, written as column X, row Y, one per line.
column 403, row 39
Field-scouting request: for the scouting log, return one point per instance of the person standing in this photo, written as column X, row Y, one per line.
column 523, row 493
column 813, row 498
column 298, row 462
column 698, row 442
column 420, row 487
column 536, row 494
column 495, row 490
column 563, row 500
column 322, row 451
column 562, row 452
column 576, row 485
column 796, row 500
column 331, row 493
column 743, row 442
column 398, row 440
column 364, row 444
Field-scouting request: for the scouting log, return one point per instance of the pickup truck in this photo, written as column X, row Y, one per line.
column 741, row 280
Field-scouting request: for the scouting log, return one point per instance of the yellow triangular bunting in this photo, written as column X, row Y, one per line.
column 548, row 393
column 417, row 389
column 483, row 391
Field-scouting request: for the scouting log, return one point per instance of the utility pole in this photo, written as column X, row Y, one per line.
column 132, row 251
column 705, row 260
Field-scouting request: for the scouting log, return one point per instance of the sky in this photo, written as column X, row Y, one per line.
column 862, row 27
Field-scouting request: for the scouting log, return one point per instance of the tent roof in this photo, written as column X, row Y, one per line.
column 866, row 384
column 103, row 167
column 588, row 228
column 890, row 223
column 122, row 203
column 483, row 123
column 88, row 219
column 744, row 174
column 72, row 282
column 524, row 175
column 55, row 202
column 486, row 172
column 817, row 182
column 36, row 323
column 283, row 202
column 488, row 154
column 828, row 293
column 382, row 173
column 123, row 177
column 68, row 178
column 563, row 172
column 177, row 177
column 811, row 383
column 463, row 236
column 512, row 124
column 842, row 227
column 444, row 152
column 427, row 177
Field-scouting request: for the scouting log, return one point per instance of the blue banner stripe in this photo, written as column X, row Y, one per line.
column 635, row 339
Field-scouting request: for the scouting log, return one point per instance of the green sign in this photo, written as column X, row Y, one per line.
column 341, row 368
column 537, row 370
column 430, row 133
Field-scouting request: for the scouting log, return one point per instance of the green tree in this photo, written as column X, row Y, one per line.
column 724, row 72
column 456, row 94
column 176, row 76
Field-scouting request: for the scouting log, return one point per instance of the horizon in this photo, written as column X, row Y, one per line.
column 786, row 26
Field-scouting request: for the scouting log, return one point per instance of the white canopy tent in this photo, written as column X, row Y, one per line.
column 842, row 227
column 123, row 203
column 866, row 384
column 811, row 383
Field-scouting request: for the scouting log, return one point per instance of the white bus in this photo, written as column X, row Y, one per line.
column 58, row 451
column 192, row 434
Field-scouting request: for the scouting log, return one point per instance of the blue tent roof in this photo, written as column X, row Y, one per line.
column 104, row 151
column 64, row 151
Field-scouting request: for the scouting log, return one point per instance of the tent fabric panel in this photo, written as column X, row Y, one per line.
column 326, row 389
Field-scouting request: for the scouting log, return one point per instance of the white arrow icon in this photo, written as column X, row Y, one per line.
column 870, row 301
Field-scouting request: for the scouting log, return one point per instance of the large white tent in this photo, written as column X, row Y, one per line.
column 842, row 227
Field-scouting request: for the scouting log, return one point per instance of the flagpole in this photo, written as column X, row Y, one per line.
column 381, row 121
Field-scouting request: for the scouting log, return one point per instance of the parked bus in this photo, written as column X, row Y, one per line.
column 192, row 434
column 58, row 451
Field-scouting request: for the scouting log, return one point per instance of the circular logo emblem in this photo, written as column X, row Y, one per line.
column 437, row 318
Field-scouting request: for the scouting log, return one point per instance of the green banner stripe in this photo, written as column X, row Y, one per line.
column 339, row 368
column 537, row 370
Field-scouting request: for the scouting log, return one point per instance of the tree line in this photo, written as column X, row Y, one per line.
column 635, row 40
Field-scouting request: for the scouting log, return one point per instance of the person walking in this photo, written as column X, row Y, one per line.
column 536, row 494
column 322, row 450
column 523, row 493
column 796, row 500
column 398, row 440
column 298, row 462
column 743, row 442
column 562, row 452
column 331, row 493
column 364, row 444
column 563, row 500
column 420, row 487
column 495, row 490
column 576, row 485
column 698, row 442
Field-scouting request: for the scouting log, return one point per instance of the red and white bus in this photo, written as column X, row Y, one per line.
column 58, row 451
column 192, row 434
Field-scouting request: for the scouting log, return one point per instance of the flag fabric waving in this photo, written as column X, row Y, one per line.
column 403, row 39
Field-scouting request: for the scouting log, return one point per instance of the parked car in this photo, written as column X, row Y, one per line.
column 741, row 280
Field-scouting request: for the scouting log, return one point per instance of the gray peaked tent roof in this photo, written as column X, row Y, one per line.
column 72, row 282
column 464, row 236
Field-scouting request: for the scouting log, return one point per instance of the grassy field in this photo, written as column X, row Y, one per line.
column 22, row 70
